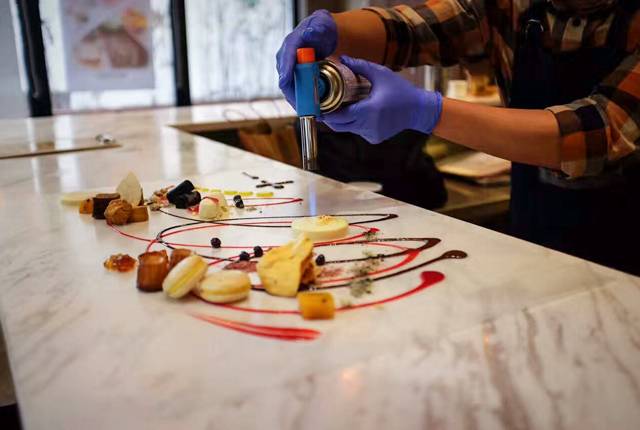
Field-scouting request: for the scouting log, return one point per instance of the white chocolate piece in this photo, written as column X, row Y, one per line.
column 184, row 276
column 209, row 208
column 320, row 228
column 130, row 190
column 225, row 286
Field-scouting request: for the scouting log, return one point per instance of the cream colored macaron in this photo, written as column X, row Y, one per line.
column 225, row 286
column 184, row 276
column 323, row 227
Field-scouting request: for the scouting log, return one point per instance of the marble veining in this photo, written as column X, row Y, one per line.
column 515, row 337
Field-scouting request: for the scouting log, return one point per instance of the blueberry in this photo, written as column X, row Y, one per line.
column 244, row 256
column 237, row 197
column 257, row 251
column 240, row 204
column 320, row 260
column 215, row 242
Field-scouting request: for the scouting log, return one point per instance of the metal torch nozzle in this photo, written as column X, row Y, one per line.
column 309, row 141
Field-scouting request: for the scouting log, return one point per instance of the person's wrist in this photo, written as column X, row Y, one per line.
column 428, row 111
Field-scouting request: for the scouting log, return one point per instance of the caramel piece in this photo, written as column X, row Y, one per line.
column 100, row 203
column 139, row 214
column 177, row 255
column 120, row 263
column 118, row 212
column 153, row 267
column 86, row 207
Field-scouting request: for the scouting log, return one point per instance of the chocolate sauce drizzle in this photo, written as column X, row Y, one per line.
column 381, row 217
column 429, row 242
column 449, row 255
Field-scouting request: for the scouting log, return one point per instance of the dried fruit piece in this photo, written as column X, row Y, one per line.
column 86, row 207
column 177, row 255
column 152, row 270
column 118, row 212
column 315, row 306
column 120, row 263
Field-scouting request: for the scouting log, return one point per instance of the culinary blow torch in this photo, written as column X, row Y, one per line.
column 322, row 86
column 306, row 80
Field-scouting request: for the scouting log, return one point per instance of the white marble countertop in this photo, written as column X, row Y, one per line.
column 515, row 336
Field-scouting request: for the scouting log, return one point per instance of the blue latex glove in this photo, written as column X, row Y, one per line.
column 318, row 31
column 394, row 105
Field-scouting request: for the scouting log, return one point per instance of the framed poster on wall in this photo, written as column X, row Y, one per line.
column 107, row 44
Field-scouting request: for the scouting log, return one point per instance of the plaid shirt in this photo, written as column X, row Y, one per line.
column 596, row 131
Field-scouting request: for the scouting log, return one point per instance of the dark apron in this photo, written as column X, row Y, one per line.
column 598, row 221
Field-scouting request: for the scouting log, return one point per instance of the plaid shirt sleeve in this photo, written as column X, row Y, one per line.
column 436, row 32
column 603, row 127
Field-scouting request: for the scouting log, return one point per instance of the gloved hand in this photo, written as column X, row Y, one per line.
column 393, row 105
column 318, row 31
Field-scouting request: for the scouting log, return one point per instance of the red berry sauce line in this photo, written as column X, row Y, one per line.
column 280, row 333
column 428, row 279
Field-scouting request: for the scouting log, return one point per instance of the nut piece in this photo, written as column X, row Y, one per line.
column 152, row 269
column 118, row 212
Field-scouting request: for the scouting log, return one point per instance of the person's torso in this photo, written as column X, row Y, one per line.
column 564, row 32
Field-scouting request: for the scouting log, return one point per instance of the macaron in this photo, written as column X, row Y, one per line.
column 184, row 276
column 224, row 287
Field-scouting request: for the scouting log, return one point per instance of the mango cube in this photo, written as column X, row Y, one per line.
column 316, row 306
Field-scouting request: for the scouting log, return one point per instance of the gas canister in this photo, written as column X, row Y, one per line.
column 338, row 85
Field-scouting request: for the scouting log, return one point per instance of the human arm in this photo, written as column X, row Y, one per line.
column 395, row 105
column 580, row 138
column 529, row 136
column 436, row 32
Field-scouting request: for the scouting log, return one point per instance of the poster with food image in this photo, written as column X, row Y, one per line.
column 107, row 44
